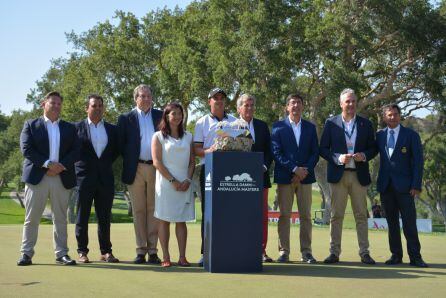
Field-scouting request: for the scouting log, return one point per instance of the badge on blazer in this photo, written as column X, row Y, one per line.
column 403, row 150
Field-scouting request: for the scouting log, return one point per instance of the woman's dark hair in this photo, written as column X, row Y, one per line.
column 164, row 125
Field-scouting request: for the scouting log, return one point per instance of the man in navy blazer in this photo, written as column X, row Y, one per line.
column 295, row 150
column 348, row 144
column 135, row 131
column 99, row 149
column 50, row 147
column 262, row 143
column 399, row 182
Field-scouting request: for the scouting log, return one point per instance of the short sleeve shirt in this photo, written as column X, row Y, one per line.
column 205, row 130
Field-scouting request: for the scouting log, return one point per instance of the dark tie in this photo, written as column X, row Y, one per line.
column 391, row 143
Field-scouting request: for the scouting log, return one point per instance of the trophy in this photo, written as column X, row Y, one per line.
column 233, row 136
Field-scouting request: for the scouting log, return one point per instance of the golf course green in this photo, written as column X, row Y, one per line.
column 346, row 279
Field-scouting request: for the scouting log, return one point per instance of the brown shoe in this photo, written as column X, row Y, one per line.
column 83, row 258
column 109, row 258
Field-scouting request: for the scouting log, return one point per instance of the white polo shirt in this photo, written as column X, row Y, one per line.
column 205, row 130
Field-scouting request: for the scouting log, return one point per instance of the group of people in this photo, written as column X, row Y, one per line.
column 159, row 161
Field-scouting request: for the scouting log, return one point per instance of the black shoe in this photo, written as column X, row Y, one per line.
column 24, row 260
column 331, row 259
column 367, row 259
column 394, row 260
column 266, row 259
column 283, row 259
column 153, row 259
column 201, row 262
column 65, row 260
column 308, row 258
column 418, row 262
column 140, row 259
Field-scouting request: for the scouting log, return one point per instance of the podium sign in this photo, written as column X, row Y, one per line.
column 233, row 212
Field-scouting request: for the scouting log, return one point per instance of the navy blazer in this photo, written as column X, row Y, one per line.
column 405, row 167
column 263, row 144
column 35, row 147
column 129, row 139
column 91, row 170
column 333, row 144
column 288, row 155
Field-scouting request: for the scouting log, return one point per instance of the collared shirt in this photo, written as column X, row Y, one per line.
column 146, row 131
column 251, row 128
column 350, row 139
column 252, row 132
column 395, row 135
column 205, row 130
column 98, row 135
column 54, row 139
column 297, row 129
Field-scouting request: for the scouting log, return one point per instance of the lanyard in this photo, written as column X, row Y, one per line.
column 349, row 135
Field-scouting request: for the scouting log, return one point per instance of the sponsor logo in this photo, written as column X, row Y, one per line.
column 238, row 182
column 208, row 183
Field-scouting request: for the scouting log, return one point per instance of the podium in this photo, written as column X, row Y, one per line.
column 233, row 212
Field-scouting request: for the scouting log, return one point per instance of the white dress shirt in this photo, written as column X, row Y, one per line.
column 297, row 130
column 395, row 135
column 54, row 140
column 146, row 131
column 98, row 136
column 349, row 126
column 251, row 129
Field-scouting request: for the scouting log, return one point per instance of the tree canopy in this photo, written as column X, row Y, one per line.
column 388, row 51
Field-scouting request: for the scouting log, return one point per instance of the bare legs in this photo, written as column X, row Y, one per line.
column 164, row 235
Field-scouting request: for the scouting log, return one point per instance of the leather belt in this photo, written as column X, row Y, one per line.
column 147, row 162
column 350, row 169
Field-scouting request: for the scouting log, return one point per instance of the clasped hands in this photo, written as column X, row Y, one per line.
column 299, row 174
column 54, row 169
column 346, row 158
column 181, row 186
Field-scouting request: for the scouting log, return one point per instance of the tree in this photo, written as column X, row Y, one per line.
column 434, row 180
column 391, row 51
column 10, row 154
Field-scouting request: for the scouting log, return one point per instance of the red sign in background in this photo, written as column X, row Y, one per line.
column 273, row 216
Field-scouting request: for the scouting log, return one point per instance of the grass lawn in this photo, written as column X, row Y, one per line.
column 10, row 211
column 346, row 279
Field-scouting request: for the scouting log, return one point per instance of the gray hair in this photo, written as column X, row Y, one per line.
column 139, row 88
column 244, row 97
column 348, row 91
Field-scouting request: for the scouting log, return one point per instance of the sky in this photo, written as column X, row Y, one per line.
column 32, row 33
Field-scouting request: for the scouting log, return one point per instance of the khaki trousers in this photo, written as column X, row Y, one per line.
column 286, row 194
column 142, row 196
column 348, row 186
column 36, row 197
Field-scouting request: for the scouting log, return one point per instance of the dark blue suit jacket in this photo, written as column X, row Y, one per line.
column 333, row 144
column 288, row 155
column 263, row 144
column 130, row 141
column 35, row 146
column 91, row 170
column 405, row 167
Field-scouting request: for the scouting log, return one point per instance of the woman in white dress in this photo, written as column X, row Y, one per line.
column 174, row 161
